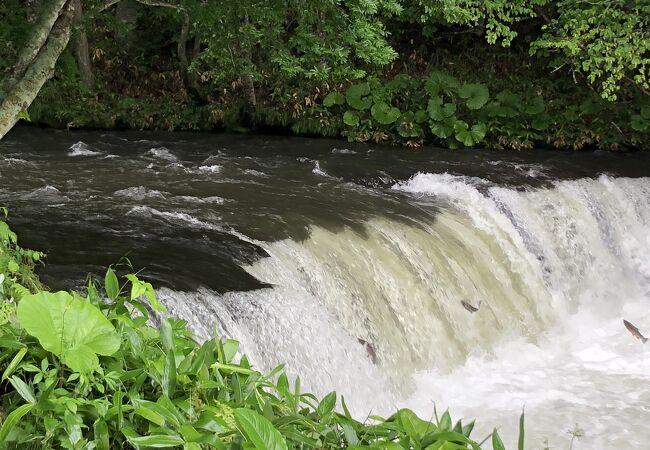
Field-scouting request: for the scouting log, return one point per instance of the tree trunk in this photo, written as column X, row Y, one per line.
column 48, row 17
column 182, row 45
column 250, row 101
column 127, row 13
column 24, row 90
column 197, row 46
column 81, row 52
column 192, row 80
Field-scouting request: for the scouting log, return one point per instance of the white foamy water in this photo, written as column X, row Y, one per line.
column 343, row 151
column 216, row 200
column 139, row 193
column 214, row 168
column 556, row 271
column 256, row 173
column 173, row 217
column 46, row 194
column 318, row 170
column 162, row 153
column 82, row 149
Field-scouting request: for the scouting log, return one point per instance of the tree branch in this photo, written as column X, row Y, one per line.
column 161, row 4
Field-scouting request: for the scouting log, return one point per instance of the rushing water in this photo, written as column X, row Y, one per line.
column 349, row 263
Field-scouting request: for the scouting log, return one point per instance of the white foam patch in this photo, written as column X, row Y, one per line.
column 139, row 193
column 173, row 217
column 214, row 168
column 82, row 149
column 318, row 170
column 256, row 173
column 162, row 153
column 216, row 200
column 46, row 193
column 343, row 151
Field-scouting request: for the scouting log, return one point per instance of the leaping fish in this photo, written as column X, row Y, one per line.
column 369, row 349
column 635, row 331
column 471, row 308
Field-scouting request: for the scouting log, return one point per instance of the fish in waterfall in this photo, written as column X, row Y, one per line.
column 369, row 349
column 635, row 331
column 468, row 306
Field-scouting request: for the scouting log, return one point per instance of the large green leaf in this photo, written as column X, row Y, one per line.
column 259, row 430
column 469, row 136
column 475, row 94
column 111, row 285
column 439, row 83
column 71, row 328
column 439, row 111
column 638, row 123
column 413, row 425
column 351, row 118
column 535, row 106
column 157, row 440
column 326, row 405
column 407, row 126
column 645, row 112
column 334, row 98
column 357, row 96
column 443, row 129
column 384, row 113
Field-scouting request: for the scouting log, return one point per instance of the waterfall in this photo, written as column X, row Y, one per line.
column 376, row 314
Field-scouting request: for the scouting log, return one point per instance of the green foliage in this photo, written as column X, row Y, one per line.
column 496, row 17
column 16, row 268
column 351, row 118
column 607, row 41
column 407, row 71
column 334, row 98
column 469, row 136
column 475, row 95
column 384, row 113
column 357, row 96
column 156, row 387
column 69, row 327
column 259, row 430
column 450, row 106
column 641, row 121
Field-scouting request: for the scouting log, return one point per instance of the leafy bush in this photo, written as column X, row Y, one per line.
column 92, row 372
column 457, row 113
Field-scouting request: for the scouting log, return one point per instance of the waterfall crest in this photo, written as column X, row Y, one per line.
column 554, row 269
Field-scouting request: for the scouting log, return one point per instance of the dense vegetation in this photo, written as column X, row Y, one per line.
column 90, row 371
column 503, row 73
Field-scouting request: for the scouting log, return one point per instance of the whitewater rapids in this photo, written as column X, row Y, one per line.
column 556, row 270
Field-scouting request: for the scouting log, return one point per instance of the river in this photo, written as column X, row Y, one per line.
column 349, row 264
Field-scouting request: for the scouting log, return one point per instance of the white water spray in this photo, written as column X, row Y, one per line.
column 556, row 270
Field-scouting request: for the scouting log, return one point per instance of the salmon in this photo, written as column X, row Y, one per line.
column 635, row 331
column 468, row 306
column 369, row 349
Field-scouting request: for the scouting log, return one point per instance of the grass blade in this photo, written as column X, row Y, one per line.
column 12, row 419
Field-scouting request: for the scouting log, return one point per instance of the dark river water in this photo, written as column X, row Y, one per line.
column 305, row 250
